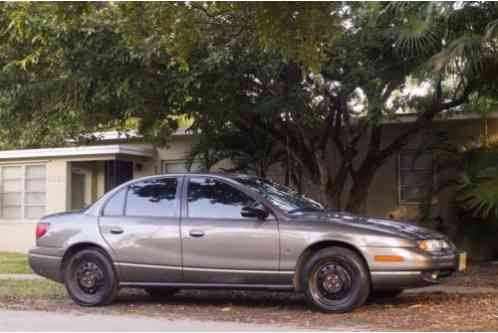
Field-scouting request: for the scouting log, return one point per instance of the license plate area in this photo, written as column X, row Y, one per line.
column 462, row 261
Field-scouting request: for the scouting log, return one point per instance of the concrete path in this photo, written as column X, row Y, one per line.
column 47, row 321
column 20, row 277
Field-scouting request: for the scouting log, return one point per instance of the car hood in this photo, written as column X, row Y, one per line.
column 379, row 225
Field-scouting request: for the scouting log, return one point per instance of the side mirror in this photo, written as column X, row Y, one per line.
column 256, row 210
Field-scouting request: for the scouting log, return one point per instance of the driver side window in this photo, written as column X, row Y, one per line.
column 211, row 198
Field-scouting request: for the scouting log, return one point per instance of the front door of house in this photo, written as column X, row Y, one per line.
column 117, row 172
column 78, row 191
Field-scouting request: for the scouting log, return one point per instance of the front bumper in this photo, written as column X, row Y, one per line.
column 46, row 265
column 418, row 269
column 390, row 280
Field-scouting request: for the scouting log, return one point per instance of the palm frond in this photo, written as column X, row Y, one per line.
column 491, row 30
column 481, row 198
column 477, row 190
column 414, row 29
column 462, row 54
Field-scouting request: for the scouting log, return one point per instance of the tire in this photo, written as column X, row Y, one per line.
column 90, row 279
column 336, row 280
column 385, row 294
column 162, row 292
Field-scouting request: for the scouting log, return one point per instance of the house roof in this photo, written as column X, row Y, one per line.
column 119, row 149
column 122, row 135
column 412, row 117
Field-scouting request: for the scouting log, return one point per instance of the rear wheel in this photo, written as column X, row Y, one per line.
column 336, row 280
column 90, row 279
column 162, row 292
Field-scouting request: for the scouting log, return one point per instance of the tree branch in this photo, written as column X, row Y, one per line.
column 423, row 120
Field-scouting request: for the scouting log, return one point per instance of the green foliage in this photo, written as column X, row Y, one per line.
column 474, row 163
column 250, row 150
column 418, row 29
column 484, row 105
column 82, row 79
column 300, row 31
column 74, row 68
column 480, row 196
column 319, row 78
column 478, row 185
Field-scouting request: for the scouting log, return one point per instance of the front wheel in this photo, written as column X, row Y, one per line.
column 336, row 280
column 90, row 279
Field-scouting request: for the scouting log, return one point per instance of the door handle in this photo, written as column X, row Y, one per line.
column 116, row 230
column 196, row 233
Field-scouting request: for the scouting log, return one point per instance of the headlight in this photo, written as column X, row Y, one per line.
column 433, row 245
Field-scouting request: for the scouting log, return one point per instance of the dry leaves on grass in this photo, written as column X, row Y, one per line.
column 407, row 312
column 478, row 275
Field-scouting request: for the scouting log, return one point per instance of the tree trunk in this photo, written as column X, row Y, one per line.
column 262, row 170
column 358, row 194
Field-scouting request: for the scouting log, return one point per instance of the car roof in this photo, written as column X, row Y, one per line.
column 204, row 174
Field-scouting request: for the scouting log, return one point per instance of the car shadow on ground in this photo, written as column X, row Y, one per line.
column 242, row 298
column 215, row 297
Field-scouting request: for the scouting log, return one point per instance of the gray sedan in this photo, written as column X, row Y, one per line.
column 170, row 232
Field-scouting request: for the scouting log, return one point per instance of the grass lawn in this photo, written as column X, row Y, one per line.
column 31, row 289
column 14, row 263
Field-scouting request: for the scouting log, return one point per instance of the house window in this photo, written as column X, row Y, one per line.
column 22, row 192
column 415, row 176
column 179, row 166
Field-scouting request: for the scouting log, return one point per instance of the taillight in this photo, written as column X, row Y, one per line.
column 41, row 229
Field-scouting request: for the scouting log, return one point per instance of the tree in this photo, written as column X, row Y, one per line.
column 250, row 150
column 67, row 70
column 328, row 115
column 73, row 68
column 325, row 77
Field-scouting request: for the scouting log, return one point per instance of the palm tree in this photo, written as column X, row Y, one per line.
column 478, row 184
column 462, row 38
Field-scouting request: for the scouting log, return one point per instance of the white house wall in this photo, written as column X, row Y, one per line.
column 19, row 235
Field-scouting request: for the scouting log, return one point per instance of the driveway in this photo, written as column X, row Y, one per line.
column 47, row 321
column 44, row 306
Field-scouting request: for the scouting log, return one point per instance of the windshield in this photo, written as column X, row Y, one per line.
column 281, row 196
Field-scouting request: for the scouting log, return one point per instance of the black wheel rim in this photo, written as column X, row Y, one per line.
column 332, row 283
column 90, row 277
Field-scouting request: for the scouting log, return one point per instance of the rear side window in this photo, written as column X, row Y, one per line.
column 211, row 198
column 154, row 197
column 115, row 206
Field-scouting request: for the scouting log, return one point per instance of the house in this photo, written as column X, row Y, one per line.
column 35, row 182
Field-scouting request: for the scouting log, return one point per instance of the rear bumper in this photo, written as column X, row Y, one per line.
column 48, row 266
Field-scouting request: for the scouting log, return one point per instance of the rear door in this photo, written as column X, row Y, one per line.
column 141, row 225
column 221, row 246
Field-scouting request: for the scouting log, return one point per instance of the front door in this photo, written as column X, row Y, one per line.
column 221, row 246
column 117, row 172
column 78, row 190
column 141, row 224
